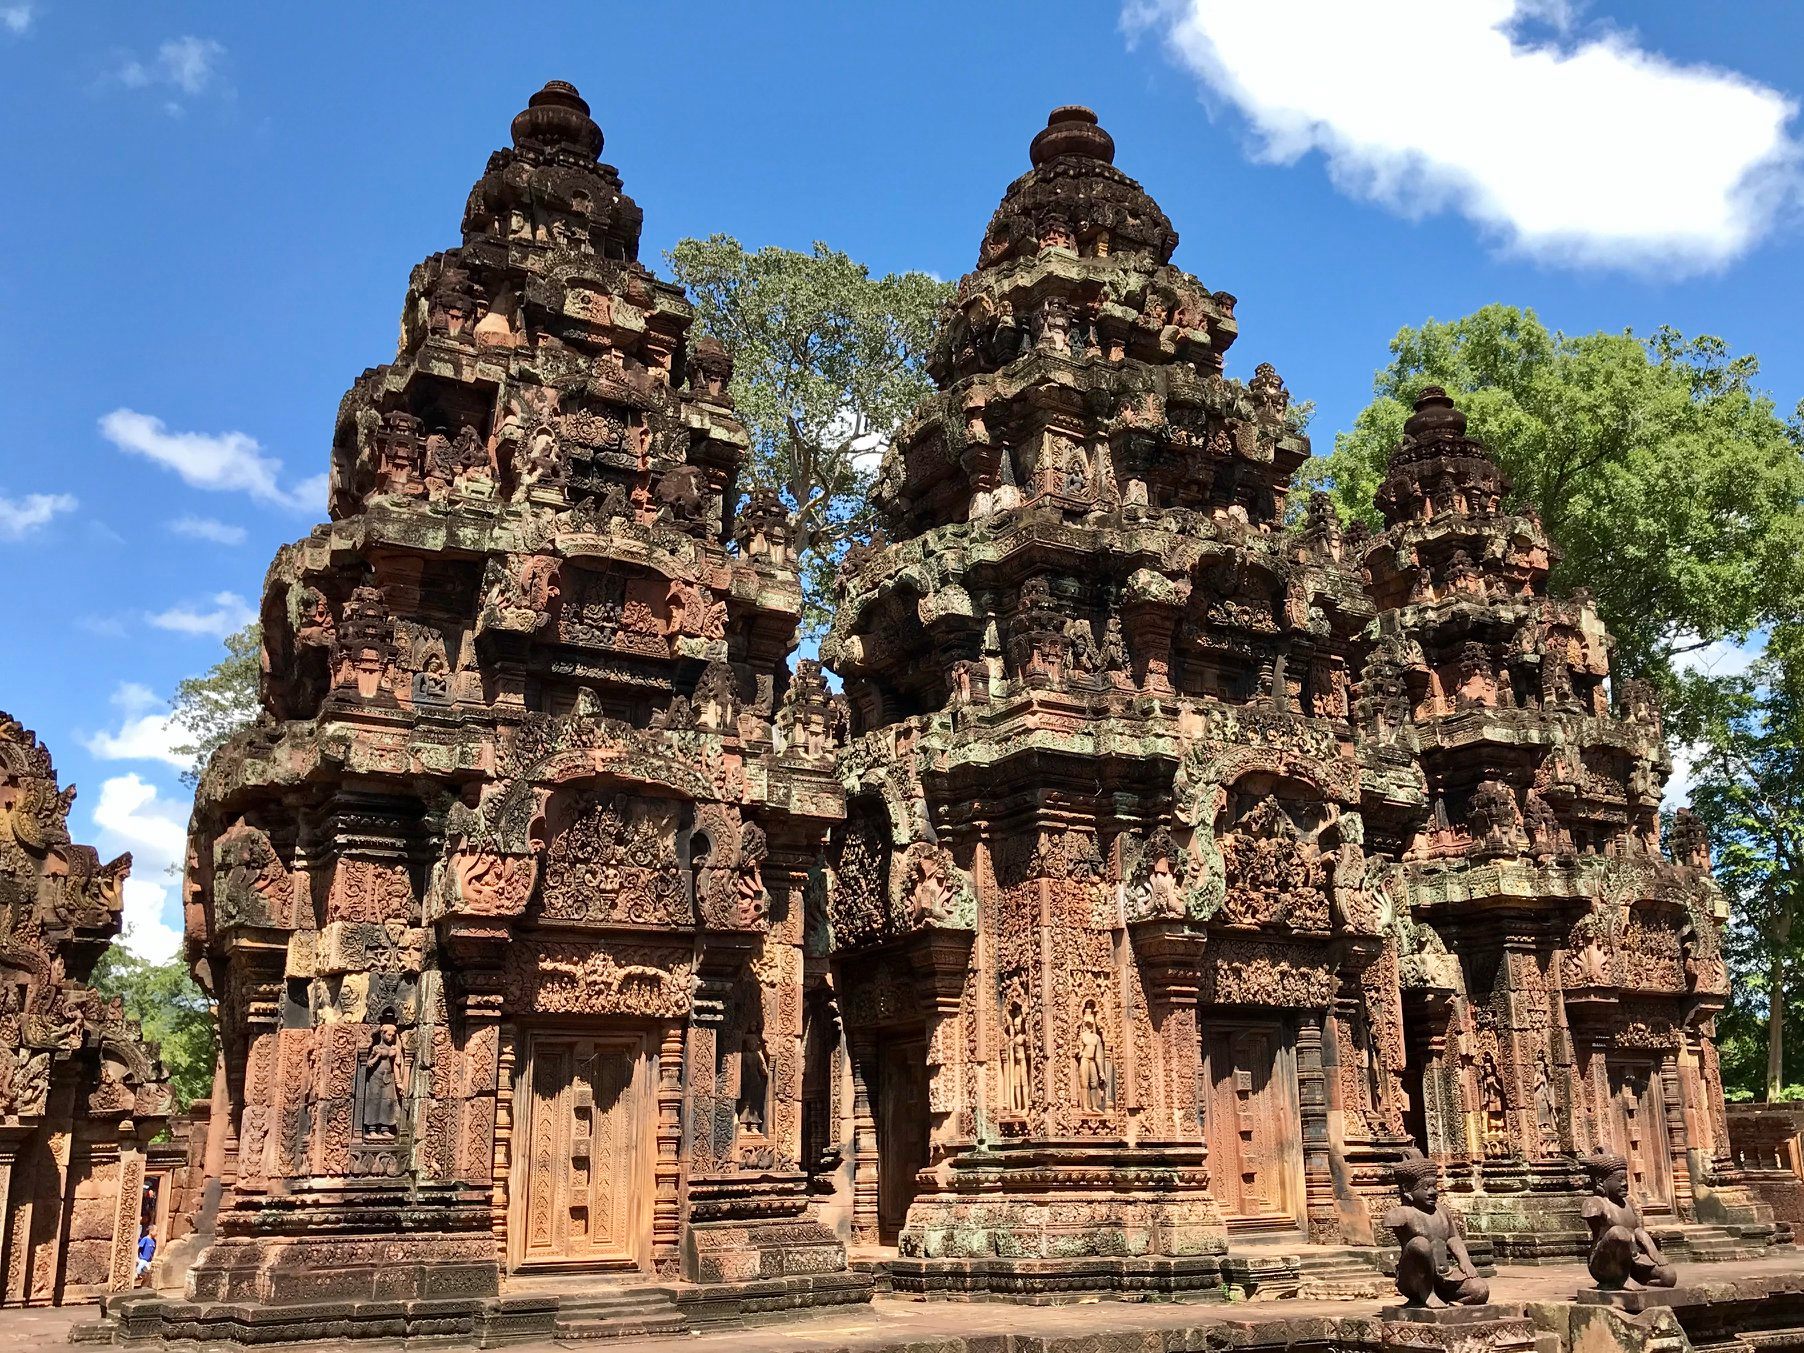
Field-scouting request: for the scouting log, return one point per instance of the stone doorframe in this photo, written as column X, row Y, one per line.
column 658, row 1077
column 1284, row 1089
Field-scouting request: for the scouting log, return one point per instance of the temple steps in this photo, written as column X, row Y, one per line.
column 1702, row 1243
column 1341, row 1271
column 621, row 1312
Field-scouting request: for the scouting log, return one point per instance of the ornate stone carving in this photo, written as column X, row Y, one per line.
column 614, row 863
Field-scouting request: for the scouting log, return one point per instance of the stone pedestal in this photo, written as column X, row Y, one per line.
column 318, row 1245
column 1635, row 1300
column 753, row 1226
column 1037, row 1219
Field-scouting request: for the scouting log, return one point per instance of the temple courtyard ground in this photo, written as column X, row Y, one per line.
column 907, row 1325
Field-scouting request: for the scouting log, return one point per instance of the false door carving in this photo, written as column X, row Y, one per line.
column 1252, row 1124
column 1638, row 1111
column 587, row 1129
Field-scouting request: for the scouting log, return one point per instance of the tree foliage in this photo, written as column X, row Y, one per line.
column 174, row 1012
column 1749, row 791
column 827, row 361
column 1663, row 472
column 213, row 706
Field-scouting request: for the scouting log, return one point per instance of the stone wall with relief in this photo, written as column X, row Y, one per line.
column 82, row 1095
column 503, row 897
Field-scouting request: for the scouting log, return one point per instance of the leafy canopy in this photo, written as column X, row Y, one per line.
column 175, row 1013
column 1663, row 473
column 827, row 362
column 1750, row 793
column 213, row 706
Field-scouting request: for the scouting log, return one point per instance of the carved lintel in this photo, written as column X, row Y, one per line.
column 1170, row 955
column 940, row 958
column 472, row 941
column 725, row 952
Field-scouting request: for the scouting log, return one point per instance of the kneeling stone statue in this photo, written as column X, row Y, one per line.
column 1621, row 1248
column 1434, row 1262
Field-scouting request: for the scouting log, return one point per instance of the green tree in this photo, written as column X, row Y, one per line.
column 1663, row 472
column 827, row 362
column 213, row 706
column 1749, row 791
column 175, row 1013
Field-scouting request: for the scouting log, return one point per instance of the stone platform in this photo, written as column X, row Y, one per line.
column 1727, row 1308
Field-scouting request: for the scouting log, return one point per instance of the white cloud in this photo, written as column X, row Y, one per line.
column 21, row 516
column 1587, row 149
column 188, row 66
column 16, row 19
column 1723, row 658
column 146, row 731
column 103, row 626
column 225, row 462
column 131, row 814
column 189, row 63
column 145, row 932
column 207, row 528
column 1684, row 777
column 229, row 615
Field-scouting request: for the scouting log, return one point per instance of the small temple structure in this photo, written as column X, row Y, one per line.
column 1174, row 866
column 81, row 1095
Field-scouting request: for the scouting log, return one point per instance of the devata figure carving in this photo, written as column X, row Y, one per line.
column 1621, row 1248
column 1015, row 1070
column 1092, row 1063
column 1434, row 1261
column 384, row 1081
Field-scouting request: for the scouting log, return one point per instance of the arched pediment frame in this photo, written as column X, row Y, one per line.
column 1202, row 792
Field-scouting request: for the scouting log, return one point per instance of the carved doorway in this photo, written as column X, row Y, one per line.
column 584, row 1180
column 1638, row 1116
column 1253, row 1123
column 901, row 1131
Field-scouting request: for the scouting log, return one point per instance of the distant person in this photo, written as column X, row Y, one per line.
column 147, row 1250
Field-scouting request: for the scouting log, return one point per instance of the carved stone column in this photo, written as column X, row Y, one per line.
column 666, row 1217
column 127, row 1209
column 1312, row 1096
column 865, row 1161
column 941, row 959
column 1170, row 956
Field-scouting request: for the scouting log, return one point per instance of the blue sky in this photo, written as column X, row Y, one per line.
column 212, row 210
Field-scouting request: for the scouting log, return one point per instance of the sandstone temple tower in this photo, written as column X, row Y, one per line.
column 1202, row 858
column 503, row 901
column 1580, row 1010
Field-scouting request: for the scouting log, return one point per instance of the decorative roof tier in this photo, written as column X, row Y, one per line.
column 1080, row 372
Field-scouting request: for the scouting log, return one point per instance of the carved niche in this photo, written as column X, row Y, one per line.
column 614, row 862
